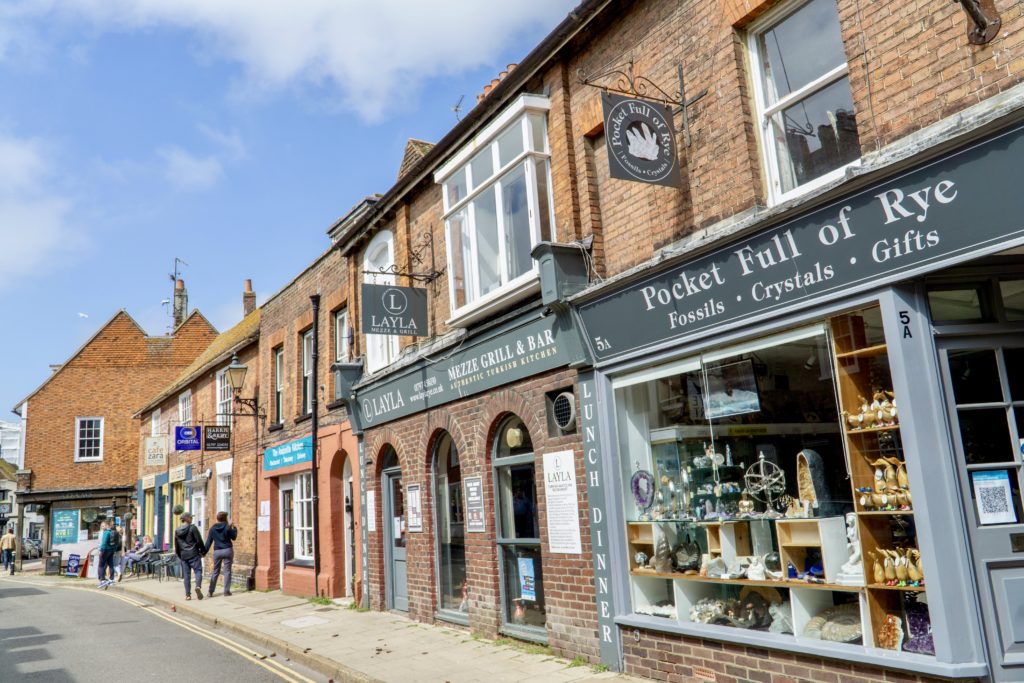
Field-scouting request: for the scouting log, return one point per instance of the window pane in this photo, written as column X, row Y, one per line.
column 1014, row 359
column 975, row 377
column 955, row 305
column 482, row 166
column 524, row 585
column 487, row 260
column 456, row 187
column 985, row 435
column 802, row 47
column 510, row 143
column 516, row 216
column 518, row 500
column 1013, row 298
column 451, row 538
column 541, row 173
column 538, row 131
column 458, row 244
column 816, row 135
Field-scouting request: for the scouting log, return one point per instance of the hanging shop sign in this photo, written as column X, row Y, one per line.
column 640, row 140
column 65, row 526
column 532, row 347
column 156, row 450
column 291, row 453
column 561, row 503
column 187, row 439
column 962, row 206
column 474, row 505
column 400, row 311
column 176, row 474
column 217, row 438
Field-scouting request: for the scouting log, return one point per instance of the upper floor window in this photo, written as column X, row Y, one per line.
column 223, row 398
column 804, row 101
column 378, row 269
column 279, row 385
column 307, row 373
column 341, row 331
column 154, row 423
column 88, row 438
column 497, row 204
column 185, row 407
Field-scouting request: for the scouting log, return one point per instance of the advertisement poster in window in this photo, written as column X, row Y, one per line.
column 371, row 510
column 994, row 497
column 415, row 510
column 731, row 390
column 561, row 503
column 527, row 580
column 474, row 504
column 65, row 526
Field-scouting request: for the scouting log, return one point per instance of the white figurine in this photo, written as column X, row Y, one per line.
column 852, row 572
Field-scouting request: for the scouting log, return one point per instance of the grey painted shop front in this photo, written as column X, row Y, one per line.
column 808, row 440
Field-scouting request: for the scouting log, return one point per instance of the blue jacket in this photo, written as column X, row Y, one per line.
column 221, row 536
column 105, row 544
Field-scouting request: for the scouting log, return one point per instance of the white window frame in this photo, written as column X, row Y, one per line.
column 78, row 444
column 306, row 354
column 764, row 111
column 154, row 423
column 302, row 516
column 185, row 407
column 224, row 493
column 341, row 335
column 197, row 506
column 223, row 398
column 512, row 289
column 381, row 349
column 279, row 384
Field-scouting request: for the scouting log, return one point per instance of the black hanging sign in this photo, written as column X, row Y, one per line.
column 641, row 141
column 217, row 437
column 400, row 311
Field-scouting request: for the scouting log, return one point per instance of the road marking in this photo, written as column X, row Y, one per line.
column 276, row 668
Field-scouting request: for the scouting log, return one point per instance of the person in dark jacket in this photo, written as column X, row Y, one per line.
column 221, row 537
column 189, row 547
column 110, row 543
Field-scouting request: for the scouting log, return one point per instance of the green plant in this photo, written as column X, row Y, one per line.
column 321, row 600
column 600, row 668
column 178, row 509
column 576, row 661
column 355, row 606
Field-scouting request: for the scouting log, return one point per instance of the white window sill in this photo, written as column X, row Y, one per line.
column 812, row 185
column 99, row 459
column 496, row 302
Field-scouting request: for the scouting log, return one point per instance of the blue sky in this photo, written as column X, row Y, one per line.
column 227, row 133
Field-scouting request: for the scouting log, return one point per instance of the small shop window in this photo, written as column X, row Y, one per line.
column 765, row 488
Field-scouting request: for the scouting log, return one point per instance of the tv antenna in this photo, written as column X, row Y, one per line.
column 457, row 109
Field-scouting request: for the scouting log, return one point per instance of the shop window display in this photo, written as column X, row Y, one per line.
column 766, row 489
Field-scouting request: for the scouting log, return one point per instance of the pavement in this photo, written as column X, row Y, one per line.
column 345, row 644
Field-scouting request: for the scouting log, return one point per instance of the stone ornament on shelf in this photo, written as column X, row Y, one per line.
column 642, row 485
column 840, row 624
column 890, row 633
column 852, row 571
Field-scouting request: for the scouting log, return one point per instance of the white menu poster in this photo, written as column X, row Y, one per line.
column 371, row 510
column 415, row 507
column 561, row 503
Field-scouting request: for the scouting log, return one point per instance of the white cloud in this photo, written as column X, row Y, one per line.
column 373, row 55
column 188, row 171
column 33, row 215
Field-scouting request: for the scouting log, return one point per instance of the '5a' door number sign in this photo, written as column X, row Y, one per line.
column 640, row 140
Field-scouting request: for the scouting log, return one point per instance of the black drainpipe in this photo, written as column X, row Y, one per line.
column 315, row 299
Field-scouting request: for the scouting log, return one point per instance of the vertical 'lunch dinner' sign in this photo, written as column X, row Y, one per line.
column 641, row 141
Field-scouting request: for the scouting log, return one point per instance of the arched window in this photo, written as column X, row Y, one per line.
column 450, row 529
column 378, row 262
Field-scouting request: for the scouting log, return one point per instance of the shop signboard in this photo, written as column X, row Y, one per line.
column 187, row 438
column 74, row 564
column 156, row 450
column 176, row 474
column 291, row 453
column 962, row 206
column 65, row 526
column 392, row 310
column 217, row 438
column 474, row 505
column 148, row 481
column 534, row 346
column 561, row 503
column 640, row 140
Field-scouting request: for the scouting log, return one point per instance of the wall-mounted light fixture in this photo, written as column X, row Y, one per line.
column 985, row 18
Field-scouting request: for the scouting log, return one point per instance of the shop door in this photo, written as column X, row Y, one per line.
column 984, row 386
column 394, row 534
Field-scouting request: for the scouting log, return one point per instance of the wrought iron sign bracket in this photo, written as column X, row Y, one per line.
column 987, row 21
column 622, row 80
column 416, row 255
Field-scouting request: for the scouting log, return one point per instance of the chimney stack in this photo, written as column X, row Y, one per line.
column 248, row 298
column 180, row 302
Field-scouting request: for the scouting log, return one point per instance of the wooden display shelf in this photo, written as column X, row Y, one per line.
column 909, row 589
column 872, row 430
column 675, row 576
column 866, row 352
column 884, row 513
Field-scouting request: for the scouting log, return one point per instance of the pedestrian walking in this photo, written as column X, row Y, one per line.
column 190, row 549
column 221, row 538
column 110, row 542
column 8, row 544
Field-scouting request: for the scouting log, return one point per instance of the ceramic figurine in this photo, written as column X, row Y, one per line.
column 746, row 506
column 889, row 569
column 901, row 473
column 852, row 571
column 912, row 559
column 640, row 558
column 900, row 567
column 853, row 421
column 756, row 570
column 878, row 573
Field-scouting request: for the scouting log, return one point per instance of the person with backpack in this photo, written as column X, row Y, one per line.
column 110, row 543
column 190, row 549
column 221, row 538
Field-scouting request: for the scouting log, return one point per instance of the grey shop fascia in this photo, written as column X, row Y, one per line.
column 863, row 248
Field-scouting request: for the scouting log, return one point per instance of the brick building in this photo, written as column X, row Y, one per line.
column 81, row 442
column 826, row 229
column 206, row 475
column 300, row 411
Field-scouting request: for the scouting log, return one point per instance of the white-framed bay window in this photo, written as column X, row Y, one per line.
column 378, row 269
column 185, row 407
column 224, row 468
column 498, row 206
column 307, row 373
column 303, row 516
column 88, row 439
column 803, row 98
column 223, row 398
column 341, row 332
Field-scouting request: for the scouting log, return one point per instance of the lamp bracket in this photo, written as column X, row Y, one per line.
column 987, row 21
column 417, row 254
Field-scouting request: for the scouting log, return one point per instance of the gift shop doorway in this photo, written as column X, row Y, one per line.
column 395, row 572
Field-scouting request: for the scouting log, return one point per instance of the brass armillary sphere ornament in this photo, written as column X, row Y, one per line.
column 765, row 481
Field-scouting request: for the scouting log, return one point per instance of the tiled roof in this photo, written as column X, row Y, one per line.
column 414, row 151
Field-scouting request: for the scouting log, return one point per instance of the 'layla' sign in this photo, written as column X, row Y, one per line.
column 291, row 453
column 965, row 205
column 400, row 311
column 640, row 140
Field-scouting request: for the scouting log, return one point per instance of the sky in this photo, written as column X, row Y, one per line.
column 229, row 134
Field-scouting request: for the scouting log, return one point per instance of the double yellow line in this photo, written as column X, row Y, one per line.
column 276, row 668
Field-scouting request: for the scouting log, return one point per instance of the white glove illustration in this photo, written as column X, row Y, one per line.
column 642, row 145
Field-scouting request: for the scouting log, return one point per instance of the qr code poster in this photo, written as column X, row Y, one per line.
column 993, row 496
